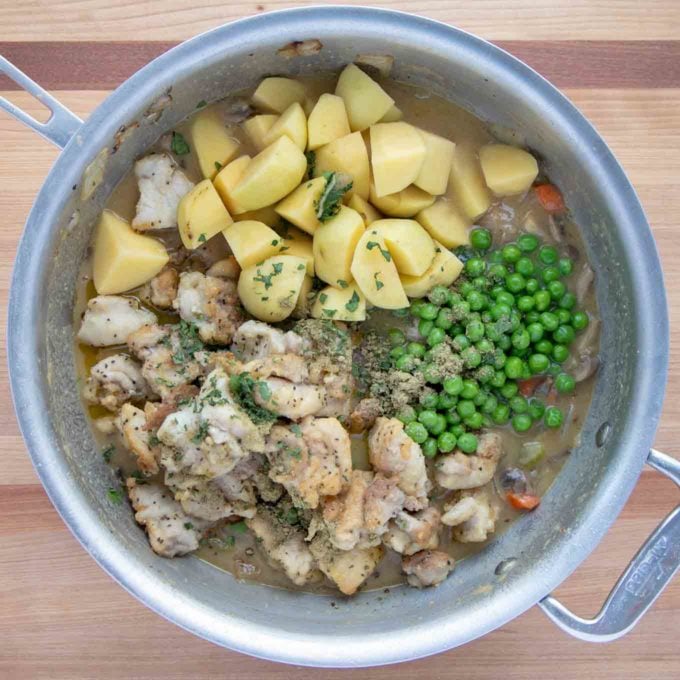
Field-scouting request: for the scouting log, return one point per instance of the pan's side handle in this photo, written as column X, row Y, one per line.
column 641, row 583
column 62, row 124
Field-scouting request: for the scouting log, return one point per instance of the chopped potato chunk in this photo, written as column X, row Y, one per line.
column 333, row 245
column 257, row 128
column 410, row 245
column 444, row 270
column 467, row 182
column 201, row 214
column 445, row 223
column 300, row 207
column 292, row 123
column 251, row 241
column 397, row 155
column 405, row 203
column 347, row 155
column 213, row 144
column 507, row 169
column 436, row 168
column 393, row 115
column 327, row 121
column 299, row 244
column 340, row 304
column 368, row 213
column 226, row 180
column 365, row 100
column 277, row 94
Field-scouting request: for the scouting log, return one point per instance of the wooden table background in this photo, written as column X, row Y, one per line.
column 60, row 615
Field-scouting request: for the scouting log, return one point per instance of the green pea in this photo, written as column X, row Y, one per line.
column 452, row 417
column 547, row 255
column 397, row 352
column 535, row 331
column 515, row 320
column 549, row 321
column 429, row 401
column 560, row 353
column 444, row 319
column 532, row 286
column 505, row 298
column 542, row 300
column 429, row 447
column 474, row 331
column 416, row 349
column 460, row 310
column 446, row 401
column 501, row 414
column 461, row 342
column 416, row 431
column 467, row 443
column 428, row 418
column 429, row 311
column 504, row 342
column 515, row 282
column 520, row 339
column 405, row 363
column 527, row 243
column 499, row 358
column 521, row 422
column 538, row 363
column 579, row 320
column 432, row 374
column 564, row 316
column 465, row 408
column 436, row 336
column 396, row 337
column 511, row 253
column 489, row 405
column 568, row 301
column 513, row 367
column 499, row 378
column 407, row 415
column 457, row 430
column 475, row 266
column 509, row 390
column 476, row 300
column 453, row 385
column 544, row 347
column 564, row 335
column 550, row 274
column 480, row 239
column 557, row 290
column 554, row 370
column 536, row 408
column 439, row 295
column 553, row 417
column 518, row 404
column 564, row 383
column 566, row 266
column 446, row 442
column 526, row 303
column 416, row 306
column 525, row 266
column 424, row 327
column 475, row 421
column 470, row 389
column 498, row 272
column 471, row 357
column 439, row 426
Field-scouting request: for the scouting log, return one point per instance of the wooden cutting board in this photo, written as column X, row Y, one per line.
column 60, row 615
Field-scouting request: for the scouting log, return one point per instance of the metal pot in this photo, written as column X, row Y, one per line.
column 517, row 570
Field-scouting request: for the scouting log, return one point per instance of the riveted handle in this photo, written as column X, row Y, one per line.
column 62, row 124
column 641, row 583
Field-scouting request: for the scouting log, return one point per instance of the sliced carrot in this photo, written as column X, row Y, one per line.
column 523, row 501
column 528, row 386
column 549, row 197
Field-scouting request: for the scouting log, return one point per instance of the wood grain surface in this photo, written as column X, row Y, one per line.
column 60, row 615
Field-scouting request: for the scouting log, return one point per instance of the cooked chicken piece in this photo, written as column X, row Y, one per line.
column 284, row 546
column 172, row 356
column 161, row 187
column 171, row 531
column 258, row 340
column 348, row 569
column 156, row 412
column 410, row 533
column 291, row 367
column 113, row 381
column 109, row 320
column 290, row 400
column 337, row 386
column 457, row 470
column 228, row 268
column 471, row 515
column 161, row 291
column 427, row 568
column 364, row 415
column 212, row 304
column 310, row 460
column 358, row 517
column 136, row 438
column 394, row 453
column 107, row 424
column 211, row 434
column 237, row 485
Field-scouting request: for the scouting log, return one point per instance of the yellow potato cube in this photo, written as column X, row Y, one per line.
column 267, row 215
column 445, row 224
column 297, row 243
column 375, row 273
column 347, row 155
column 300, row 206
column 327, row 121
column 467, row 184
column 393, row 115
column 443, row 271
column 213, row 144
column 270, row 290
column 257, row 128
column 277, row 94
column 368, row 213
column 397, row 155
column 123, row 259
column 410, row 246
column 226, row 180
column 201, row 214
column 405, row 203
column 251, row 242
column 334, row 244
column 340, row 304
column 292, row 123
column 270, row 176
column 507, row 169
column 366, row 102
column 434, row 173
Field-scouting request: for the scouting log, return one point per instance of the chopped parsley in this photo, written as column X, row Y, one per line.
column 329, row 312
column 201, row 104
column 311, row 163
column 385, row 253
column 202, row 238
column 266, row 279
column 115, row 496
column 242, row 386
column 201, row 433
column 189, row 343
column 218, row 166
column 153, row 439
column 264, row 390
column 188, row 526
column 353, row 303
column 179, row 145
column 296, row 430
column 301, row 266
column 322, row 298
column 330, row 200
column 239, row 527
column 378, row 283
column 342, row 283
column 108, row 452
column 275, row 242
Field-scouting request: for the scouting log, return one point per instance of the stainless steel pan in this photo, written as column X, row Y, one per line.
column 520, row 568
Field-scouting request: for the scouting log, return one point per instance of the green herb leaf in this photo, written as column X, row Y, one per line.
column 179, row 145
column 378, row 283
column 188, row 525
column 202, row 238
column 201, row 433
column 329, row 312
column 264, row 390
column 201, row 104
column 300, row 266
column 353, row 303
column 296, row 429
column 329, row 203
column 115, row 496
column 275, row 242
column 266, row 279
column 342, row 283
column 385, row 253
column 108, row 452
column 242, row 387
column 239, row 527
column 218, row 166
column 189, row 343
column 322, row 298
column 311, row 164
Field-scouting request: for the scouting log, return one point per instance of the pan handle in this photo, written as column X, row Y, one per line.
column 646, row 576
column 62, row 124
